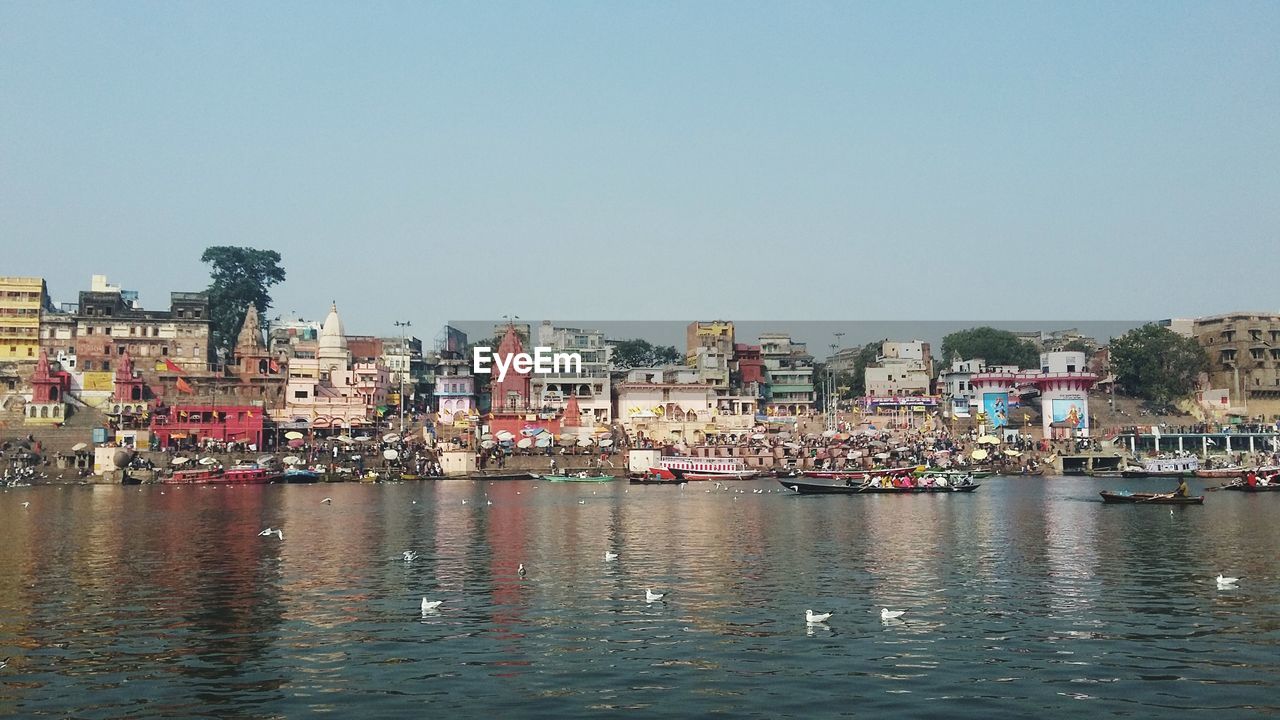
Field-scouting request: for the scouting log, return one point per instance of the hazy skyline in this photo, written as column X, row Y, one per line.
column 652, row 161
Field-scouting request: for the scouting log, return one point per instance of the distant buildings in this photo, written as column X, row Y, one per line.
column 592, row 386
column 789, row 370
column 1244, row 359
column 332, row 390
column 22, row 299
column 453, row 385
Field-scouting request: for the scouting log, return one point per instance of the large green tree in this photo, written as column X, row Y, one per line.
column 238, row 276
column 638, row 352
column 997, row 347
column 1157, row 364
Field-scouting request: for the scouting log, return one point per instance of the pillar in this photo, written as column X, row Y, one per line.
column 1180, row 450
column 1250, row 444
column 1157, row 440
column 1133, row 444
column 1228, row 439
column 1204, row 446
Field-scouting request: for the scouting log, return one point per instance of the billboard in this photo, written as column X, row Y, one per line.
column 996, row 406
column 1069, row 411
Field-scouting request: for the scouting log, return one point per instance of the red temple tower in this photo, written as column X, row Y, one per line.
column 46, row 406
column 129, row 395
column 511, row 393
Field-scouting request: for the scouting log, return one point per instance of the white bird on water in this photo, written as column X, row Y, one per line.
column 1227, row 583
column 520, row 570
column 26, row 504
column 266, row 532
column 327, row 501
column 409, row 555
column 811, row 617
column 4, row 663
column 610, row 555
column 887, row 614
column 429, row 606
column 651, row 596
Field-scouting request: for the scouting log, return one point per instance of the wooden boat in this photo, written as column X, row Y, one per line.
column 300, row 475
column 250, row 474
column 1222, row 473
column 1245, row 487
column 812, row 488
column 655, row 476
column 1132, row 498
column 199, row 475
column 513, row 475
column 583, row 478
column 934, row 472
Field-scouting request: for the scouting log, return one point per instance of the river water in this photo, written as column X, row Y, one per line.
column 1028, row 597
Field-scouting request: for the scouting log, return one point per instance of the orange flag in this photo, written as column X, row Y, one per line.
column 183, row 386
column 174, row 367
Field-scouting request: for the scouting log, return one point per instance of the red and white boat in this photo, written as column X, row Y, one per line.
column 740, row 475
column 715, row 468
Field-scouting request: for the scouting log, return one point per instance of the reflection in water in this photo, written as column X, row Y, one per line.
column 166, row 602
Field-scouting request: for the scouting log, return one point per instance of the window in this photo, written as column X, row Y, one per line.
column 88, row 330
column 106, row 365
column 107, row 330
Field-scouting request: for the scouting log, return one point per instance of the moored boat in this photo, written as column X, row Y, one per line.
column 1132, row 498
column 513, row 475
column 742, row 475
column 300, row 475
column 581, row 478
column 816, row 488
column 935, row 472
column 195, row 475
column 1246, row 487
column 679, row 465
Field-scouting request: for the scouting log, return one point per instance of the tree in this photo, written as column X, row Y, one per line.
column 996, row 347
column 1157, row 364
column 639, row 352
column 239, row 276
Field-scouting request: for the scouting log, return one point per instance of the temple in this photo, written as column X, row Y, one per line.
column 329, row 390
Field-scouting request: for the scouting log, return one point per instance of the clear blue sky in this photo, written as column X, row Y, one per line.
column 653, row 160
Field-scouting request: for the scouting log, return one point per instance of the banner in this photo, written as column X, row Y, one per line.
column 98, row 381
column 996, row 406
column 1069, row 411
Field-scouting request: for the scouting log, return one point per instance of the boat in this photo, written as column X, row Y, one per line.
column 513, row 475
column 1246, row 487
column 300, row 475
column 679, row 465
column 580, row 478
column 743, row 475
column 204, row 474
column 858, row 474
column 934, row 472
column 1132, row 498
column 1235, row 472
column 1164, row 467
column 655, row 476
column 813, row 488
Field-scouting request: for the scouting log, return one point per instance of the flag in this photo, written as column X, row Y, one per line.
column 275, row 366
column 183, row 386
column 174, row 367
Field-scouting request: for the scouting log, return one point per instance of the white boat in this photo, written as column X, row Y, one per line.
column 679, row 465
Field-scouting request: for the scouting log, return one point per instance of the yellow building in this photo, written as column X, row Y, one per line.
column 21, row 299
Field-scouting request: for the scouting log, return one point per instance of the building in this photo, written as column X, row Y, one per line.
column 452, row 384
column 903, row 369
column 789, row 369
column 46, row 406
column 958, row 397
column 22, row 300
column 402, row 356
column 665, row 402
column 107, row 326
column 715, row 335
column 332, row 391
column 1186, row 327
column 193, row 425
column 1061, row 385
column 509, row 392
column 1244, row 359
column 591, row 388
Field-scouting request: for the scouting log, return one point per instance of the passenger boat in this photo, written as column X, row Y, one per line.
column 195, row 475
column 679, row 465
column 743, row 475
column 857, row 474
column 1164, row 467
column 1132, row 498
column 580, row 478
column 812, row 488
column 1245, row 487
column 934, row 472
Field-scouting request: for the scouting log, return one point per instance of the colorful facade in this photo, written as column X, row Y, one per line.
column 21, row 301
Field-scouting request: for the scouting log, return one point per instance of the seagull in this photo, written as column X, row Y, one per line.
column 810, row 617
column 266, row 532
column 520, row 570
column 490, row 502
column 464, row 502
column 1227, row 583
column 327, row 501
column 410, row 556
column 430, row 606
column 280, row 533
column 651, row 596
column 887, row 614
column 610, row 555
column 4, row 663
column 26, row 504
column 582, row 502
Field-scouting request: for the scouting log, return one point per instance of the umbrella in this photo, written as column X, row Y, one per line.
column 487, row 436
column 486, row 444
column 363, row 438
column 345, row 439
column 504, row 436
column 295, row 443
column 902, row 449
column 828, row 433
column 1012, row 453
column 606, row 442
column 584, row 442
column 266, row 459
column 791, row 445
column 544, row 441
column 179, row 461
column 78, row 447
column 758, row 436
column 293, row 435
column 988, row 440
column 208, row 461
column 390, row 454
column 390, row 437
column 881, row 456
column 292, row 460
column 543, row 431
column 784, row 435
column 525, row 442
column 878, row 444
column 842, row 436
column 978, row 454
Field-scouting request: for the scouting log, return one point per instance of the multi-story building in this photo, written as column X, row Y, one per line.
column 956, row 387
column 1244, row 359
column 108, row 326
column 453, row 385
column 789, row 368
column 714, row 334
column 22, row 299
column 331, row 390
column 903, row 369
column 591, row 386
